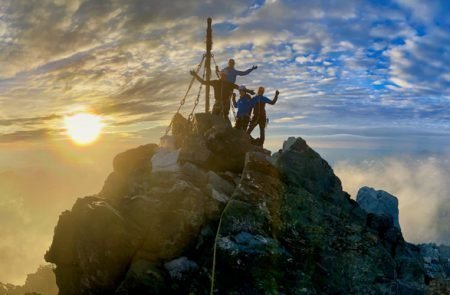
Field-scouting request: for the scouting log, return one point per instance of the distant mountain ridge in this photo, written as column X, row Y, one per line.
column 41, row 282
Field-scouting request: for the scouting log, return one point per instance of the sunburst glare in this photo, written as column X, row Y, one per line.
column 83, row 128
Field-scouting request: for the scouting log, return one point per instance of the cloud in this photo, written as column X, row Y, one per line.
column 136, row 56
column 420, row 185
column 31, row 135
column 40, row 184
column 28, row 121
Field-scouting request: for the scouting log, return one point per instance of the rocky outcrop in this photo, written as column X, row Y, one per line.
column 437, row 267
column 436, row 261
column 279, row 224
column 379, row 202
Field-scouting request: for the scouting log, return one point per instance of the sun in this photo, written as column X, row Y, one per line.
column 83, row 128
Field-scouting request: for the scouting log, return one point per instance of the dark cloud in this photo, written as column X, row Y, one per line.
column 34, row 121
column 28, row 135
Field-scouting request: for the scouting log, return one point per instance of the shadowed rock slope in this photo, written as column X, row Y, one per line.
column 287, row 227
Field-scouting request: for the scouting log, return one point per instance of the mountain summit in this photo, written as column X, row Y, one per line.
column 208, row 206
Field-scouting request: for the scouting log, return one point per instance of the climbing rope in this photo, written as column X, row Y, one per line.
column 183, row 100
column 213, row 270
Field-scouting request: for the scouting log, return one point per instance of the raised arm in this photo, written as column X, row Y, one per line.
column 217, row 72
column 274, row 101
column 193, row 73
column 243, row 73
column 250, row 91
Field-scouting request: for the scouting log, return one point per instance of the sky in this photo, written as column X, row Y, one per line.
column 366, row 83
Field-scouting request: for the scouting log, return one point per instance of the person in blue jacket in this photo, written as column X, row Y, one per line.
column 231, row 73
column 259, row 113
column 244, row 106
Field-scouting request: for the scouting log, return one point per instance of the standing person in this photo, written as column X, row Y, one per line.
column 231, row 72
column 259, row 113
column 222, row 93
column 244, row 106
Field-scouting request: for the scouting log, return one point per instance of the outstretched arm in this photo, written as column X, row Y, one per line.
column 274, row 101
column 193, row 73
column 252, row 92
column 217, row 71
column 243, row 73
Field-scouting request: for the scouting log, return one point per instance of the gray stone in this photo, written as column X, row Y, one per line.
column 220, row 183
column 165, row 160
column 378, row 202
column 179, row 267
column 202, row 122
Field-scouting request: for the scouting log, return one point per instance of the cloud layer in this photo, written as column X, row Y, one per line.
column 420, row 185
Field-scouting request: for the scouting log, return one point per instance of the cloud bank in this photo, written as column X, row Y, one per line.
column 421, row 185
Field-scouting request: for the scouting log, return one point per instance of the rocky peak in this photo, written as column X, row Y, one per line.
column 286, row 225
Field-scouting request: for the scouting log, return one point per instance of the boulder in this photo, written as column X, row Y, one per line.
column 217, row 146
column 202, row 122
column 92, row 247
column 378, row 202
column 181, row 129
column 135, row 160
column 131, row 170
column 165, row 160
column 300, row 166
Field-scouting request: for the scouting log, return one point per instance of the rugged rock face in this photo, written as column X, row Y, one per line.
column 437, row 262
column 378, row 202
column 437, row 267
column 286, row 225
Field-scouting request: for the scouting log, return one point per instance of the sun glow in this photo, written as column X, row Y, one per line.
column 83, row 128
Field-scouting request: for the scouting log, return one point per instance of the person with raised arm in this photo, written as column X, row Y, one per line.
column 259, row 117
column 222, row 93
column 231, row 73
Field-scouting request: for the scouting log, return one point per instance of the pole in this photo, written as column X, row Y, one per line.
column 208, row 62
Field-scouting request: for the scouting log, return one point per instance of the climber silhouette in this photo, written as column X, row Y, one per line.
column 231, row 72
column 259, row 113
column 222, row 93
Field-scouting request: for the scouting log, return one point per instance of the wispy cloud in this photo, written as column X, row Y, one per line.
column 324, row 57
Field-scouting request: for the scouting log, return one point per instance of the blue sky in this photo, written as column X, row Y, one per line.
column 362, row 68
column 366, row 83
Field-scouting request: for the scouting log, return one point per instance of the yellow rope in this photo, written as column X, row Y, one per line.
column 213, row 271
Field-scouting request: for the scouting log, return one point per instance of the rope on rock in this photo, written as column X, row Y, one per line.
column 213, row 270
